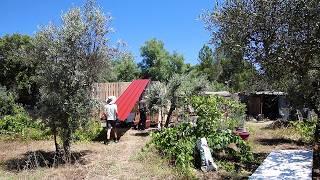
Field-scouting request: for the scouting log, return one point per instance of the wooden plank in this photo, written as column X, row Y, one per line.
column 103, row 90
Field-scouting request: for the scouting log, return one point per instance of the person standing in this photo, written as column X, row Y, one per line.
column 111, row 111
column 143, row 115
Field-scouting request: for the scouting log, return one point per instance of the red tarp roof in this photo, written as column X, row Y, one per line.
column 129, row 97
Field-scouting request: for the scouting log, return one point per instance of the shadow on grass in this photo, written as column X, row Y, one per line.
column 278, row 124
column 248, row 167
column 258, row 159
column 142, row 133
column 39, row 159
column 146, row 132
column 242, row 170
column 279, row 141
column 121, row 131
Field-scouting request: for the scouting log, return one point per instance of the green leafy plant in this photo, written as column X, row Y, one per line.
column 178, row 143
column 20, row 124
column 89, row 132
column 218, row 113
column 36, row 133
column 228, row 166
column 305, row 129
column 233, row 146
column 7, row 102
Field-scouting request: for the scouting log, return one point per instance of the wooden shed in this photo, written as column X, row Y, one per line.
column 266, row 104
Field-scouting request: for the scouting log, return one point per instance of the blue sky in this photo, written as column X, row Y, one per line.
column 135, row 21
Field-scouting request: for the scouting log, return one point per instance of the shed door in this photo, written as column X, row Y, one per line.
column 254, row 105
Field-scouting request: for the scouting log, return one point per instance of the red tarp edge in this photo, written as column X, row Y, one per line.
column 129, row 97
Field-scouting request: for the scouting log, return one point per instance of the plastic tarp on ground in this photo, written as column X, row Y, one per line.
column 285, row 164
column 129, row 97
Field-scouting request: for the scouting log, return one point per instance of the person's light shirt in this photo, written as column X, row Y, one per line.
column 111, row 112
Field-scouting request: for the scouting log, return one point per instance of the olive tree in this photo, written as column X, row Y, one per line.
column 71, row 56
column 157, row 100
column 175, row 93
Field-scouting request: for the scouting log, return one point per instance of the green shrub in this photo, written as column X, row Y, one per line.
column 89, row 132
column 36, row 133
column 226, row 165
column 7, row 102
column 218, row 112
column 20, row 124
column 14, row 123
column 223, row 140
column 305, row 129
column 178, row 143
column 23, row 126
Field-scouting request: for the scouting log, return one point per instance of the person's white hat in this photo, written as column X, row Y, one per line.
column 111, row 100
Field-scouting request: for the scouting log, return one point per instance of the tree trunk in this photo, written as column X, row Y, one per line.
column 160, row 118
column 66, row 141
column 66, row 148
column 172, row 107
column 54, row 131
column 316, row 150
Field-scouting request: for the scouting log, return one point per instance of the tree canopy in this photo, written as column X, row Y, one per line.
column 17, row 68
column 176, row 93
column 126, row 68
column 220, row 68
column 121, row 68
column 157, row 63
column 208, row 64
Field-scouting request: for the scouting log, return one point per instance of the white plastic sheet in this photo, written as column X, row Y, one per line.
column 207, row 163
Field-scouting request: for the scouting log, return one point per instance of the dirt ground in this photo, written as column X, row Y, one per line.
column 121, row 160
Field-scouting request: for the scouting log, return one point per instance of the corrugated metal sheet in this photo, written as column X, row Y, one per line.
column 129, row 97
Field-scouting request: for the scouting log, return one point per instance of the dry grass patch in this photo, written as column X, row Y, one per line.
column 158, row 167
column 264, row 139
column 94, row 160
column 127, row 159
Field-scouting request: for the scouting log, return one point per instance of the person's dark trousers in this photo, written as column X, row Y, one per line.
column 143, row 118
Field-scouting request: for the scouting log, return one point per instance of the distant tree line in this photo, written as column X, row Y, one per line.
column 19, row 69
